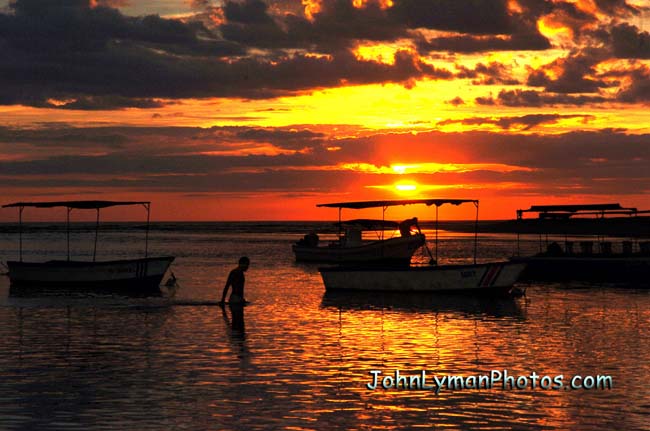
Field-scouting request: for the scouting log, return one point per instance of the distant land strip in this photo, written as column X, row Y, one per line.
column 615, row 226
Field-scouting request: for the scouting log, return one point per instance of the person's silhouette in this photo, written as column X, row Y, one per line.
column 236, row 280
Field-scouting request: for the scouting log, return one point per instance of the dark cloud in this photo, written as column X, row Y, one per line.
column 524, row 122
column 465, row 16
column 627, row 41
column 154, row 141
column 336, row 26
column 532, row 98
column 69, row 50
column 487, row 101
column 60, row 136
column 472, row 44
column 248, row 11
column 515, row 30
column 521, row 33
column 338, row 69
column 574, row 73
column 96, row 58
column 639, row 89
column 249, row 23
column 38, row 26
column 291, row 139
column 456, row 101
column 578, row 73
column 72, row 54
column 95, row 103
column 265, row 181
column 113, row 3
column 340, row 19
column 139, row 73
column 619, row 7
column 490, row 74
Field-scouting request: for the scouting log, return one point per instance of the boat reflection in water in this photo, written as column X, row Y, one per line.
column 417, row 302
column 91, row 292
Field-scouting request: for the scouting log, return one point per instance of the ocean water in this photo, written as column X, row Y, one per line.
column 297, row 358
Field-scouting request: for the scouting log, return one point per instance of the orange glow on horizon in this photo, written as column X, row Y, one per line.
column 431, row 168
column 169, row 206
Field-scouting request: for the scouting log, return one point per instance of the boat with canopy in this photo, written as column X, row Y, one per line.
column 596, row 257
column 492, row 277
column 351, row 248
column 128, row 275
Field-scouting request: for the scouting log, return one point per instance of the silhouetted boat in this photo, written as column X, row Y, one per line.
column 351, row 248
column 627, row 261
column 126, row 275
column 492, row 277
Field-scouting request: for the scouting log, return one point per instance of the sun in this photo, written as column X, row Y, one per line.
column 406, row 188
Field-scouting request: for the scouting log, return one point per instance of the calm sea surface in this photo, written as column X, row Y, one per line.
column 300, row 359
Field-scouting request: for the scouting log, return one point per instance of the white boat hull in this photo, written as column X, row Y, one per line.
column 144, row 273
column 396, row 250
column 487, row 277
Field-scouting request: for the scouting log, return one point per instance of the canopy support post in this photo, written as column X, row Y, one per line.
column 68, row 209
column 518, row 248
column 340, row 226
column 437, row 234
column 476, row 232
column 383, row 222
column 146, row 234
column 96, row 234
column 20, row 232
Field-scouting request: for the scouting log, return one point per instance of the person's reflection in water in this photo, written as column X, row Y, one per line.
column 236, row 329
column 236, row 323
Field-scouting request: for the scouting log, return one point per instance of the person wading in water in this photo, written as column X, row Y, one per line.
column 236, row 280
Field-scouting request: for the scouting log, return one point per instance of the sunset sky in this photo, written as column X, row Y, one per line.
column 259, row 109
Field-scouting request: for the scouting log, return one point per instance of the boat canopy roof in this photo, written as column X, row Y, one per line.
column 75, row 204
column 370, row 224
column 550, row 211
column 390, row 203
